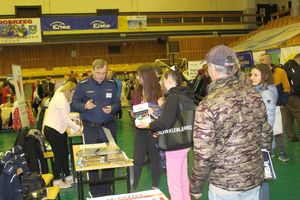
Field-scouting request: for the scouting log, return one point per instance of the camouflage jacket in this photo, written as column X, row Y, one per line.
column 230, row 130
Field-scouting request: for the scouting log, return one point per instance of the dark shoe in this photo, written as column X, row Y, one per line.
column 283, row 157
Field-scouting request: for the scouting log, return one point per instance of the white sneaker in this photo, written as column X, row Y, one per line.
column 69, row 179
column 60, row 183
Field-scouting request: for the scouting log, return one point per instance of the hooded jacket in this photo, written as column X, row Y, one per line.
column 171, row 107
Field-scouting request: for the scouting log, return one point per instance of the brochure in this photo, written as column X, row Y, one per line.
column 269, row 170
column 141, row 112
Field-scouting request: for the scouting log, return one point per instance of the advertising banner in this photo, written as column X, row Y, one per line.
column 20, row 30
column 79, row 23
column 245, row 59
column 137, row 22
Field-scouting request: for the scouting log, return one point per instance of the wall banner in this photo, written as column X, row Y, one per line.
column 79, row 23
column 20, row 30
column 137, row 22
column 245, row 59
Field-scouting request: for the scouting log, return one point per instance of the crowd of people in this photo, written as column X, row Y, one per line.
column 235, row 117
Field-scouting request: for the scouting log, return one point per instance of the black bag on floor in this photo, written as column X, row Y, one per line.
column 180, row 135
column 33, row 186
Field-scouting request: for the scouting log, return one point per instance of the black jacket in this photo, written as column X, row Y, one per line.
column 171, row 107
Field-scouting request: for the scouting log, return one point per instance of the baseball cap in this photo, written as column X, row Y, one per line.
column 221, row 55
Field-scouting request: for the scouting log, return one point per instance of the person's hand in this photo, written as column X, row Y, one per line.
column 161, row 101
column 155, row 135
column 196, row 196
column 107, row 109
column 151, row 111
column 143, row 126
column 89, row 105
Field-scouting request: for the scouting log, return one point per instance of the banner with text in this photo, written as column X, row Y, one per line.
column 79, row 23
column 245, row 59
column 20, row 30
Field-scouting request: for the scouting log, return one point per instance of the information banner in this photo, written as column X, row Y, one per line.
column 18, row 83
column 20, row 30
column 79, row 23
column 137, row 22
column 245, row 59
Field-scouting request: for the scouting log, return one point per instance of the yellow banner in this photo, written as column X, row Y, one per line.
column 20, row 30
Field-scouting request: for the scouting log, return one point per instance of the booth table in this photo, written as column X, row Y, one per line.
column 126, row 163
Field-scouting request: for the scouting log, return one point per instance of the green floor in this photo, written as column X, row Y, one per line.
column 286, row 187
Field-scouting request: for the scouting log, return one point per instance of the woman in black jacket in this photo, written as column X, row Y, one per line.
column 177, row 165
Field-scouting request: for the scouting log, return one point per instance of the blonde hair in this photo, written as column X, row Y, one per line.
column 67, row 88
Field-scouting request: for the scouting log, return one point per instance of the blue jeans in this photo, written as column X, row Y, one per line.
column 252, row 194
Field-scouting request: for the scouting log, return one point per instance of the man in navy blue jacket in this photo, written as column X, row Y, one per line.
column 97, row 101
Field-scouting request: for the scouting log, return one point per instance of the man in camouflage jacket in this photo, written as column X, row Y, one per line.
column 230, row 130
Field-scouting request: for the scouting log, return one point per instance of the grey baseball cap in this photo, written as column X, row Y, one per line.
column 221, row 55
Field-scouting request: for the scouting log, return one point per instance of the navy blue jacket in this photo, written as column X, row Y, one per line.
column 102, row 94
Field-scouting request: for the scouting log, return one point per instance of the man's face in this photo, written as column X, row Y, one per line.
column 265, row 60
column 99, row 74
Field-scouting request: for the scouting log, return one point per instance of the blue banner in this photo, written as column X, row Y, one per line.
column 79, row 23
column 245, row 59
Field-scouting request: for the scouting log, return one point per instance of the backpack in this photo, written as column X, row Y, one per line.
column 23, row 132
column 34, row 147
column 33, row 183
column 13, row 166
column 293, row 72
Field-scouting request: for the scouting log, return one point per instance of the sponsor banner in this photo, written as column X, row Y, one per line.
column 20, row 30
column 79, row 23
column 245, row 59
column 137, row 22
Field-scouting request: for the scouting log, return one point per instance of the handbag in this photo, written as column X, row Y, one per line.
column 180, row 135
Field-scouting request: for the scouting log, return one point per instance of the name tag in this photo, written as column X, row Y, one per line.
column 108, row 95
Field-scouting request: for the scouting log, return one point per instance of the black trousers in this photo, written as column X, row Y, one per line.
column 94, row 135
column 59, row 145
column 144, row 145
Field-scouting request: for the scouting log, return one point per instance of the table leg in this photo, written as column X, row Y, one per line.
column 129, row 177
column 72, row 158
column 80, row 186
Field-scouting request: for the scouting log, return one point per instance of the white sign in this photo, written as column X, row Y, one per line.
column 18, row 83
column 146, row 195
column 193, row 67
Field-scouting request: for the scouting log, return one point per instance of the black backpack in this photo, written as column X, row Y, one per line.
column 33, row 186
column 293, row 72
column 12, row 166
